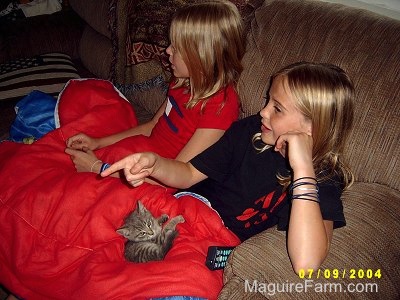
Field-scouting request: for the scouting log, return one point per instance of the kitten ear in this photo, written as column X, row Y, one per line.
column 140, row 207
column 123, row 231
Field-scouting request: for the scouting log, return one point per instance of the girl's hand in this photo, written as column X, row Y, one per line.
column 84, row 160
column 81, row 141
column 137, row 167
column 297, row 146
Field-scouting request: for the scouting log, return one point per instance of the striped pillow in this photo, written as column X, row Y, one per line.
column 47, row 73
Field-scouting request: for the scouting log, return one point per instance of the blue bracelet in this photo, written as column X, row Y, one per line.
column 104, row 166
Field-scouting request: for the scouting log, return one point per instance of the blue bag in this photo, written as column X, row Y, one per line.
column 35, row 117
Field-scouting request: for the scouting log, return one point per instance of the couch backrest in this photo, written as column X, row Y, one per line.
column 363, row 43
column 102, row 46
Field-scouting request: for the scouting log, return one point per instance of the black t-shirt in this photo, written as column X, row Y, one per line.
column 242, row 184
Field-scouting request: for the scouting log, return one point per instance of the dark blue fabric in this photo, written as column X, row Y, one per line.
column 35, row 116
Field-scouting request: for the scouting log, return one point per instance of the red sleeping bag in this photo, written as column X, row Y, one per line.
column 57, row 226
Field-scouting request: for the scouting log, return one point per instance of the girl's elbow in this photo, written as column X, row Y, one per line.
column 306, row 267
column 308, row 258
column 308, row 263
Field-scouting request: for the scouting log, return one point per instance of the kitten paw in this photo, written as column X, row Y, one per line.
column 180, row 219
column 163, row 219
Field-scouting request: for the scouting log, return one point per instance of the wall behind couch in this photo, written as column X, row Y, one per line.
column 390, row 8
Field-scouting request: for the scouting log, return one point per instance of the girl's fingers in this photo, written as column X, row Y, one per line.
column 281, row 145
column 72, row 141
column 78, row 141
column 129, row 164
column 119, row 165
column 88, row 151
column 136, row 168
column 135, row 179
column 70, row 151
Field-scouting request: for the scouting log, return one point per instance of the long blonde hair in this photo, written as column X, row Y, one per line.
column 210, row 39
column 324, row 95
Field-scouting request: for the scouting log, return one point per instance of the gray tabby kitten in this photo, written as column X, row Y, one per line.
column 147, row 239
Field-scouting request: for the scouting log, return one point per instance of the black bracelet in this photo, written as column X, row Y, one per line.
column 301, row 178
column 306, row 199
column 298, row 184
column 311, row 193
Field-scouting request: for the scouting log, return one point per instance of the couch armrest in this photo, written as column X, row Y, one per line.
column 371, row 212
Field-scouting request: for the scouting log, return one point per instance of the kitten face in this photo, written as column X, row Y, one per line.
column 147, row 239
column 140, row 225
column 145, row 229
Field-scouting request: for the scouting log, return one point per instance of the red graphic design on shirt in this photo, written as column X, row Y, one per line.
column 260, row 211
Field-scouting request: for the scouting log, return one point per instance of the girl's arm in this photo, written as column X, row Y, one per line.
column 144, row 129
column 215, row 120
column 201, row 140
column 139, row 166
column 81, row 140
column 309, row 236
column 80, row 146
column 181, row 175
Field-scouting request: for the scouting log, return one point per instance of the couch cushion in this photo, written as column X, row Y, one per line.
column 368, row 242
column 47, row 73
column 96, row 53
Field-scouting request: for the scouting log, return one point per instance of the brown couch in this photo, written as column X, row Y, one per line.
column 367, row 46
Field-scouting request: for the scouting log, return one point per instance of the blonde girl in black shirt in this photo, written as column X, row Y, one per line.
column 283, row 166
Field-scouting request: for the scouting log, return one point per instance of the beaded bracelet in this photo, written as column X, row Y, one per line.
column 104, row 166
column 97, row 161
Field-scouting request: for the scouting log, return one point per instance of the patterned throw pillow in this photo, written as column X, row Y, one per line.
column 47, row 73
